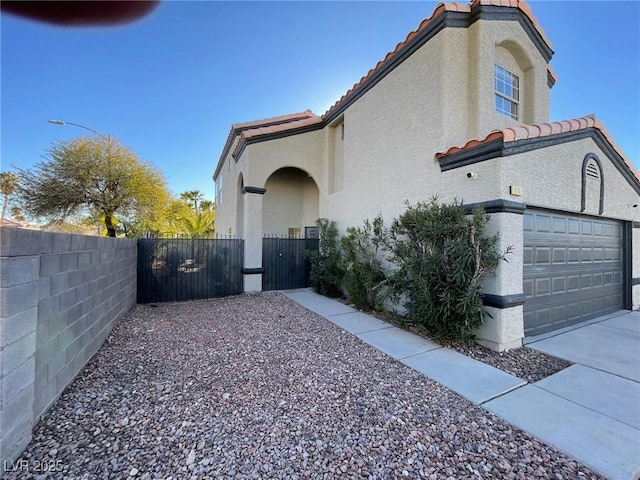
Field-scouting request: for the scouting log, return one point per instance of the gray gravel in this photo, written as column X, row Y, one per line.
column 525, row 363
column 256, row 386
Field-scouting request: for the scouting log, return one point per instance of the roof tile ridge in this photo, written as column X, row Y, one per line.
column 521, row 5
column 293, row 116
column 544, row 129
column 241, row 137
column 439, row 9
column 254, row 132
column 493, row 135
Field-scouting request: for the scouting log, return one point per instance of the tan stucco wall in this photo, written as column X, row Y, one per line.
column 226, row 218
column 304, row 151
column 552, row 177
column 391, row 133
column 504, row 330
column 335, row 157
column 258, row 161
column 484, row 185
column 291, row 201
column 491, row 42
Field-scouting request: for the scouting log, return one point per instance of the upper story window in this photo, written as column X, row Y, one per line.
column 507, row 92
column 219, row 191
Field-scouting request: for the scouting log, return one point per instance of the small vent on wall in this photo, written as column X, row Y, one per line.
column 593, row 171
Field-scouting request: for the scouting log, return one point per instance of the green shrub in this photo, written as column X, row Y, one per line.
column 441, row 256
column 326, row 263
column 364, row 276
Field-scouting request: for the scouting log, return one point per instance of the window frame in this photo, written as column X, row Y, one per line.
column 509, row 94
column 218, row 185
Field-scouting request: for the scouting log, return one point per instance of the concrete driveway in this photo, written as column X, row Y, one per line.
column 590, row 410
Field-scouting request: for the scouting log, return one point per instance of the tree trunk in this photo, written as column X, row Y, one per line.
column 111, row 230
column 4, row 208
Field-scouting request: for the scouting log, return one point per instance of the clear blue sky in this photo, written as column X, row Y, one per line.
column 170, row 85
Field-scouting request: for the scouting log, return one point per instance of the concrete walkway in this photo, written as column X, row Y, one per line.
column 590, row 410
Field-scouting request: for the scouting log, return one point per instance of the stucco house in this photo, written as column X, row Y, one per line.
column 460, row 109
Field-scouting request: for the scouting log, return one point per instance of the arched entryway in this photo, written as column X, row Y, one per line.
column 290, row 203
column 290, row 206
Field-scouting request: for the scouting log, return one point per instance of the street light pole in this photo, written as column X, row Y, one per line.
column 107, row 138
column 60, row 122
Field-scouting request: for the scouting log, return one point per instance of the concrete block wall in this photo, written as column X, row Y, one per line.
column 60, row 295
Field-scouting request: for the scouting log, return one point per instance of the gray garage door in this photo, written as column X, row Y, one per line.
column 572, row 269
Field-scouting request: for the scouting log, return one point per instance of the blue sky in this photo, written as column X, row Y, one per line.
column 170, row 85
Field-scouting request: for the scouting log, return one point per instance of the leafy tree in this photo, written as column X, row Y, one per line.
column 100, row 178
column 9, row 183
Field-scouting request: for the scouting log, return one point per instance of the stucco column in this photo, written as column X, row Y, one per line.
column 252, row 232
column 502, row 294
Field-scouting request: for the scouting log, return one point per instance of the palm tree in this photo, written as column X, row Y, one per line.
column 199, row 224
column 16, row 214
column 207, row 205
column 8, row 186
column 192, row 197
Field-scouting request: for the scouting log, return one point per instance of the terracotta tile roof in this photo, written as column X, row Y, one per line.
column 552, row 73
column 240, row 128
column 439, row 10
column 274, row 120
column 528, row 132
column 522, row 6
column 272, row 129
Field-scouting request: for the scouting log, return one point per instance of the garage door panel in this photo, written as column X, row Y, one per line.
column 572, row 269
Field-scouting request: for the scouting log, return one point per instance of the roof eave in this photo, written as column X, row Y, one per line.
column 246, row 141
column 499, row 148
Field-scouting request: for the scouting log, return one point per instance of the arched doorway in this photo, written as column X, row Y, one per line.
column 290, row 203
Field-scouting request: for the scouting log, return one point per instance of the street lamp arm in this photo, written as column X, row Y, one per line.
column 60, row 122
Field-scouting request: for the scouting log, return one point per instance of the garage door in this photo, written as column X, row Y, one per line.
column 572, row 269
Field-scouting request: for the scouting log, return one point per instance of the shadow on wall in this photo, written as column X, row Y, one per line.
column 60, row 296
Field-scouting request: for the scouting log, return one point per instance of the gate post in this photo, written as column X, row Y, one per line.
column 252, row 231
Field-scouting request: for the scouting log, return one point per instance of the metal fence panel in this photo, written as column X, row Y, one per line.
column 176, row 269
column 285, row 264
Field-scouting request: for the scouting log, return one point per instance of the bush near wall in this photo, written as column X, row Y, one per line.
column 440, row 256
column 437, row 257
column 364, row 276
column 327, row 267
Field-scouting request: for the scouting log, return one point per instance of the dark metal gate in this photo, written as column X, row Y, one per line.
column 176, row 269
column 285, row 264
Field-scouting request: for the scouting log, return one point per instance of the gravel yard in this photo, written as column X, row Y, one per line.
column 255, row 386
column 526, row 363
